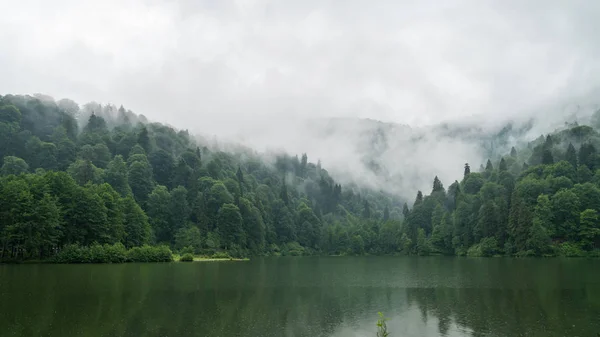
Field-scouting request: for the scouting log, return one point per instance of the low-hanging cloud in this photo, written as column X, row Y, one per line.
column 264, row 72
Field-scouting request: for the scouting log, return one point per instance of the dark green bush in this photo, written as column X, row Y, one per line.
column 150, row 254
column 187, row 257
column 112, row 254
column 72, row 254
column 570, row 249
column 116, row 253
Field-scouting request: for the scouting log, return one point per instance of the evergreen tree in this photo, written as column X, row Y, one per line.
column 467, row 170
column 418, row 199
column 488, row 166
column 547, row 158
column 587, row 155
column 405, row 211
column 502, row 166
column 143, row 139
column 571, row 155
column 513, row 152
column 437, row 185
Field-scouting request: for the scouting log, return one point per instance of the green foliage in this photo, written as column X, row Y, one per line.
column 485, row 248
column 382, row 326
column 570, row 249
column 106, row 253
column 13, row 165
column 187, row 257
column 221, row 255
column 150, row 254
column 122, row 180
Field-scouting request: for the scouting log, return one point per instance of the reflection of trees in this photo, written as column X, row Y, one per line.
column 212, row 299
column 301, row 297
column 550, row 300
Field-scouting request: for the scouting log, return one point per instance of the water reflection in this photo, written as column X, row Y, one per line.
column 304, row 297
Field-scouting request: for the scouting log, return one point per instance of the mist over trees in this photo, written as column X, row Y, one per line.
column 104, row 175
column 99, row 174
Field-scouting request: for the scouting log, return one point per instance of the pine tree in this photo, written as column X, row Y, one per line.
column 437, row 185
column 418, row 199
column 513, row 152
column 488, row 166
column 587, row 155
column 547, row 158
column 405, row 211
column 467, row 170
column 437, row 234
column 502, row 166
column 144, row 140
column 571, row 155
column 240, row 178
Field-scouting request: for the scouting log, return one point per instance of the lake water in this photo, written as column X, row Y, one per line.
column 305, row 296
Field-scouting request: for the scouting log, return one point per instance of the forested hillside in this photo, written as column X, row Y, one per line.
column 101, row 174
column 540, row 200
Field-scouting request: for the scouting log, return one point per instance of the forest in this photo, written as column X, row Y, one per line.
column 100, row 178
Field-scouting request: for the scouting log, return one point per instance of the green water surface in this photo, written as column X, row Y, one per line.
column 305, row 296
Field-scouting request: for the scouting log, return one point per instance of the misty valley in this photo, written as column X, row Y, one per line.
column 93, row 197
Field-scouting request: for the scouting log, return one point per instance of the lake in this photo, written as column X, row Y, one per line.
column 305, row 296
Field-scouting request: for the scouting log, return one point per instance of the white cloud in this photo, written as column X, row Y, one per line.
column 219, row 67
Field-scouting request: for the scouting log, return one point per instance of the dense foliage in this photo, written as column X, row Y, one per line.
column 116, row 253
column 544, row 201
column 97, row 176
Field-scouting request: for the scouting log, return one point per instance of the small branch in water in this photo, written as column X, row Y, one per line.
column 381, row 326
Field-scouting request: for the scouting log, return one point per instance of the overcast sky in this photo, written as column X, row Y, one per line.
column 199, row 63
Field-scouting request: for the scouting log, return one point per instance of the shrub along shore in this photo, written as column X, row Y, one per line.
column 118, row 253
